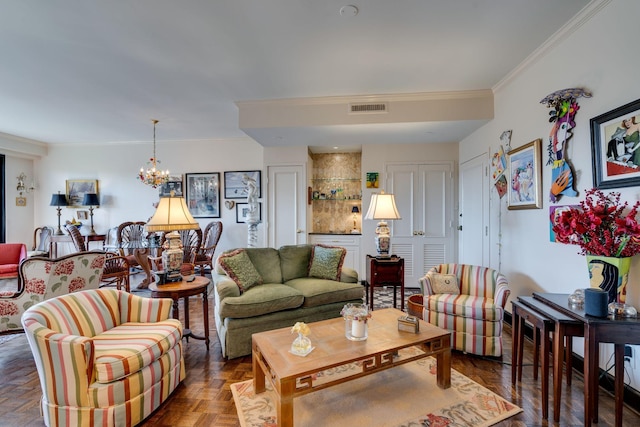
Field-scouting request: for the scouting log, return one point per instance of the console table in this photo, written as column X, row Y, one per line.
column 616, row 330
column 65, row 238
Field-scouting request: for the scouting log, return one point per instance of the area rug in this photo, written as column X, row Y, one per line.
column 403, row 396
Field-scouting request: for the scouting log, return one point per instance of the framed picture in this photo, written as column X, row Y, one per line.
column 242, row 212
column 372, row 179
column 83, row 215
column 77, row 188
column 235, row 184
column 21, row 201
column 615, row 143
column 203, row 194
column 174, row 184
column 525, row 176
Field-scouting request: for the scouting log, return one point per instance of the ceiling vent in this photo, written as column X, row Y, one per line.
column 368, row 108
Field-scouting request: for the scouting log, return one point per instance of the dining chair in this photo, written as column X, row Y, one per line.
column 41, row 242
column 76, row 237
column 211, row 237
column 116, row 271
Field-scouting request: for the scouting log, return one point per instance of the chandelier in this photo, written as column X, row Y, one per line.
column 152, row 176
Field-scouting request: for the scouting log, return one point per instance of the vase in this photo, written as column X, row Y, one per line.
column 610, row 274
column 355, row 321
column 301, row 345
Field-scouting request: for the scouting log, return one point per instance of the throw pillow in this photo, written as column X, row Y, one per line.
column 238, row 267
column 444, row 283
column 326, row 262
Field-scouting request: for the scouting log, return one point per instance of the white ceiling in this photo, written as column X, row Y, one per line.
column 77, row 71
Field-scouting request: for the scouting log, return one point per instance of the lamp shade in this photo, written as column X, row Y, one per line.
column 58, row 200
column 382, row 207
column 355, row 210
column 91, row 199
column 172, row 214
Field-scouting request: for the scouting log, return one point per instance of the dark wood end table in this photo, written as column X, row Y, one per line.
column 385, row 272
column 183, row 289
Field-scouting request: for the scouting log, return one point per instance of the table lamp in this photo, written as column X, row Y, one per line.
column 58, row 200
column 382, row 208
column 172, row 214
column 91, row 200
column 355, row 211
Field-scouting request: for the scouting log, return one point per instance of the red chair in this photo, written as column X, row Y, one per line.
column 11, row 254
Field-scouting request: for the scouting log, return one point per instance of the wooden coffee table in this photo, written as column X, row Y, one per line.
column 182, row 289
column 293, row 376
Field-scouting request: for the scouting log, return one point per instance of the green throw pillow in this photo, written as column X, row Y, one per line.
column 238, row 266
column 326, row 262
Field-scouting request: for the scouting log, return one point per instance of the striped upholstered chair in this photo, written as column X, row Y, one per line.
column 104, row 357
column 468, row 300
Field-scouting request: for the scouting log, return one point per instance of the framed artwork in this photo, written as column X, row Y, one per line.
column 615, row 143
column 174, row 184
column 203, row 194
column 235, row 186
column 77, row 188
column 83, row 215
column 372, row 179
column 242, row 212
column 525, row 176
column 21, row 201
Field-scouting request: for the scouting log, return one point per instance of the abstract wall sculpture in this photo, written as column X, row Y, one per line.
column 564, row 108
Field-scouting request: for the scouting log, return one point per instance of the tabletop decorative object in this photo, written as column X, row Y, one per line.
column 355, row 325
column 301, row 346
column 608, row 234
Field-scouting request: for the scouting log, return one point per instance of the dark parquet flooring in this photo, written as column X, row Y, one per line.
column 204, row 398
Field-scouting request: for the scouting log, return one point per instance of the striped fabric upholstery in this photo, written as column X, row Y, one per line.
column 104, row 357
column 475, row 315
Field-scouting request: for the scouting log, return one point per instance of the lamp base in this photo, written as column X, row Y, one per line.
column 383, row 239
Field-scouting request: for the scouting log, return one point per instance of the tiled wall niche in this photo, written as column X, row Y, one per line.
column 336, row 188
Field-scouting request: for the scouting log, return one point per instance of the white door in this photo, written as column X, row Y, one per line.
column 424, row 236
column 473, row 222
column 287, row 206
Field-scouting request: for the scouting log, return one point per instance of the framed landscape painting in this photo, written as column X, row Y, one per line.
column 203, row 194
column 615, row 147
column 77, row 188
column 525, row 176
column 235, row 186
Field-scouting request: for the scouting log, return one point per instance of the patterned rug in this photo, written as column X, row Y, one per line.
column 403, row 396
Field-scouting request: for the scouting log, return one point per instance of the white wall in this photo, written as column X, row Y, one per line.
column 600, row 56
column 123, row 197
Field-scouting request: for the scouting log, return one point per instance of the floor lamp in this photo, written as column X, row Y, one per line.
column 91, row 200
column 382, row 208
column 58, row 200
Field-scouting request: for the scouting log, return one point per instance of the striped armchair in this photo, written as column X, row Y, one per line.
column 104, row 357
column 473, row 312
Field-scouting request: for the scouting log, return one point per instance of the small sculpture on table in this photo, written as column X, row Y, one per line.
column 301, row 346
column 253, row 216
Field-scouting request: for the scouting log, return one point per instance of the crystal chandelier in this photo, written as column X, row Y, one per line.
column 152, row 176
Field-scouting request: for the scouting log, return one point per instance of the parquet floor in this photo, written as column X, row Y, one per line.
column 204, row 398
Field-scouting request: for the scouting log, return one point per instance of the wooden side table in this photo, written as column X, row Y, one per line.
column 385, row 272
column 177, row 290
column 65, row 238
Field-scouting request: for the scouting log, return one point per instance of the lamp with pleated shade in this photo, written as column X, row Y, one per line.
column 383, row 208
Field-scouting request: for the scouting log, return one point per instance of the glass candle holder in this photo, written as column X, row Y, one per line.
column 356, row 317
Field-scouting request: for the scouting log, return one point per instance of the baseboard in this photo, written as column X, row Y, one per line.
column 631, row 395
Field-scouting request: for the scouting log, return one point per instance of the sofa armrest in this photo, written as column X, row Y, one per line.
column 226, row 287
column 349, row 275
column 425, row 285
column 134, row 308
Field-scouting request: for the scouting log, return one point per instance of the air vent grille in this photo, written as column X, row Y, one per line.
column 368, row 108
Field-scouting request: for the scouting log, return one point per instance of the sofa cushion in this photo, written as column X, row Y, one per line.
column 444, row 283
column 322, row 291
column 129, row 347
column 294, row 261
column 239, row 267
column 267, row 263
column 326, row 262
column 267, row 298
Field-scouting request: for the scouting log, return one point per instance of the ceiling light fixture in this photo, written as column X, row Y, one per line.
column 152, row 176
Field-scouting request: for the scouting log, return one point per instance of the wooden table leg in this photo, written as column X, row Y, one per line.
column 544, row 356
column 259, row 384
column 515, row 333
column 558, row 351
column 536, row 352
column 176, row 315
column 521, row 324
column 205, row 312
column 619, row 382
column 443, row 368
column 590, row 349
column 284, row 405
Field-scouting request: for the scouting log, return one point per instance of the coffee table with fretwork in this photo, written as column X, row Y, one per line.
column 292, row 376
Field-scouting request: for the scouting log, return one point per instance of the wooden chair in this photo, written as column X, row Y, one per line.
column 130, row 235
column 76, row 237
column 41, row 242
column 204, row 256
column 116, row 270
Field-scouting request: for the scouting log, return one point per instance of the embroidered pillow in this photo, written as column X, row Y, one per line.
column 326, row 262
column 239, row 267
column 444, row 283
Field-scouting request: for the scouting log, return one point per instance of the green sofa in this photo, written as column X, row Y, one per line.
column 286, row 295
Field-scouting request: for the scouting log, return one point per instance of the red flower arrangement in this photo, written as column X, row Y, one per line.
column 600, row 226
